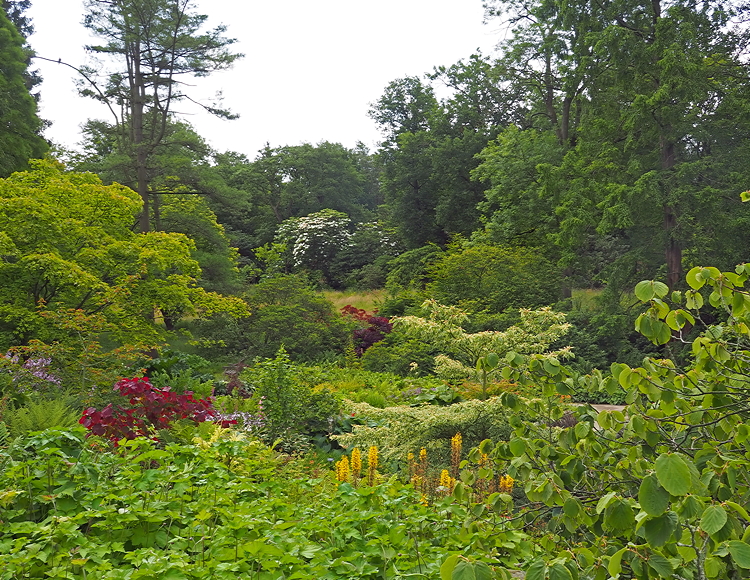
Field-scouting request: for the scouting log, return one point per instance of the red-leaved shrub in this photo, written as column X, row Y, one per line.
column 148, row 410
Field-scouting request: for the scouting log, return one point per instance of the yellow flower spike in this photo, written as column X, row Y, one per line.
column 423, row 455
column 456, row 443
column 445, row 479
column 356, row 463
column 372, row 457
column 342, row 469
column 372, row 465
column 423, row 500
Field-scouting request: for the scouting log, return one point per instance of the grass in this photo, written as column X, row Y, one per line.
column 584, row 299
column 368, row 300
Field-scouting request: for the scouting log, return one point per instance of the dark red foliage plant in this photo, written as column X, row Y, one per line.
column 148, row 409
column 375, row 330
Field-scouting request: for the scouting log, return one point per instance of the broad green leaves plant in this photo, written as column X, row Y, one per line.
column 224, row 507
column 659, row 488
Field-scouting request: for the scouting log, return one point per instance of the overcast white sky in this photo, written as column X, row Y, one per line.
column 310, row 70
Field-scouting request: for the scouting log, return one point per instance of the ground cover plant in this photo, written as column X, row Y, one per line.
column 222, row 506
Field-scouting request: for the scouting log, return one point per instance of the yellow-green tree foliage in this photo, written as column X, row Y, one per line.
column 66, row 242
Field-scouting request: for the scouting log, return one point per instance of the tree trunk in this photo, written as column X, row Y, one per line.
column 673, row 250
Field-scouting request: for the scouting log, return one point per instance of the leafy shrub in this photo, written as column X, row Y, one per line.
column 473, row 356
column 222, row 507
column 482, row 277
column 284, row 312
column 400, row 356
column 148, row 410
column 289, row 409
column 658, row 489
column 360, row 384
column 397, row 431
column 372, row 328
column 181, row 372
column 411, row 269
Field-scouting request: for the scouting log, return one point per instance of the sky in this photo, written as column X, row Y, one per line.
column 310, row 71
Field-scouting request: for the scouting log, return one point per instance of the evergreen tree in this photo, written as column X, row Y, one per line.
column 19, row 123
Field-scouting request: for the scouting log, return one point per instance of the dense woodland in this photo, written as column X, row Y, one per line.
column 417, row 331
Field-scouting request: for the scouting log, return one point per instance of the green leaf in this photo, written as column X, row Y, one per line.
column 658, row 530
column 739, row 509
column 463, row 571
column 673, row 473
column 694, row 278
column 482, row 571
column 619, row 516
column 713, row 519
column 446, row 570
column 558, row 571
column 712, row 566
column 661, row 565
column 650, row 289
column 605, row 501
column 653, row 498
column 517, row 447
column 745, row 196
column 740, row 552
column 614, row 567
column 571, row 507
column 537, row 570
column 492, row 360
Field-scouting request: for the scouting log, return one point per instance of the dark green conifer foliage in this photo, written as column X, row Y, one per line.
column 19, row 123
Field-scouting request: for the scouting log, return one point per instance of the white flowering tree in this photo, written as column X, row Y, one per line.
column 474, row 356
column 314, row 240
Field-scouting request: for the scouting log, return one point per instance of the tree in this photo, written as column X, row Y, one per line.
column 642, row 136
column 66, row 243
column 286, row 313
column 470, row 356
column 314, row 241
column 157, row 44
column 480, row 277
column 19, row 124
column 429, row 149
column 179, row 167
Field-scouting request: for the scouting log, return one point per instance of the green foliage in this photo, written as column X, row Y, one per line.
column 410, row 269
column 284, row 312
column 361, row 384
column 287, row 405
column 69, row 245
column 41, row 414
column 479, row 277
column 398, row 431
column 466, row 355
column 671, row 468
column 401, row 356
column 222, row 506
column 19, row 124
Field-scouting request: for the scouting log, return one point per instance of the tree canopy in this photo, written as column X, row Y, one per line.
column 67, row 243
